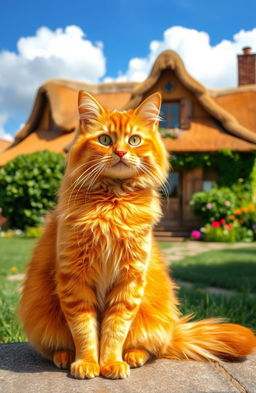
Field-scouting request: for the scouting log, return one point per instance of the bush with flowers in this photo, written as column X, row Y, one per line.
column 238, row 226
column 214, row 204
column 3, row 221
column 29, row 232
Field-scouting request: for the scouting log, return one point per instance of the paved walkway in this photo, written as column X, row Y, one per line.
column 24, row 371
column 177, row 251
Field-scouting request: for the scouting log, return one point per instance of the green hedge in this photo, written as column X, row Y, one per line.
column 230, row 166
column 28, row 187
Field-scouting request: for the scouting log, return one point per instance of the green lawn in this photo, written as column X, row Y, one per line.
column 14, row 254
column 238, row 308
column 233, row 269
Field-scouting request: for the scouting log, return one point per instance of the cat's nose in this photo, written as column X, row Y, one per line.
column 120, row 153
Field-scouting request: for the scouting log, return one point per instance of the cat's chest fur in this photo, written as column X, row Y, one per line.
column 113, row 233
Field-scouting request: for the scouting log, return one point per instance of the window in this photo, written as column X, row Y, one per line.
column 209, row 179
column 173, row 184
column 170, row 113
column 207, row 185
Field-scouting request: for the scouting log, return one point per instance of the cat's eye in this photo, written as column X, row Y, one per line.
column 134, row 140
column 105, row 140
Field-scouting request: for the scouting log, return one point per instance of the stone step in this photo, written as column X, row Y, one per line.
column 22, row 370
column 171, row 233
column 171, row 239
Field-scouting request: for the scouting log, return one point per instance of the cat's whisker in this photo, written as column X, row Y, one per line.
column 90, row 176
column 86, row 178
column 84, row 164
column 83, row 176
column 156, row 179
column 77, row 180
column 96, row 175
column 93, row 180
column 162, row 181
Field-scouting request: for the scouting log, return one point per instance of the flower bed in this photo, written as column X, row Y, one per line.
column 240, row 225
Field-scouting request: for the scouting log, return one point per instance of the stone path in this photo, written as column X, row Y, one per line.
column 177, row 251
column 213, row 290
column 24, row 371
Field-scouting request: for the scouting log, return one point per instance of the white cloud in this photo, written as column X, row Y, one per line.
column 63, row 53
column 3, row 134
column 213, row 65
column 67, row 53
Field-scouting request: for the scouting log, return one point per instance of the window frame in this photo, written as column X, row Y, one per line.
column 168, row 118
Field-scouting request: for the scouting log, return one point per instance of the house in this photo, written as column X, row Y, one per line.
column 198, row 120
column 4, row 144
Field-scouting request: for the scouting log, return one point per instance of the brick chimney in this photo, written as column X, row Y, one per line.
column 246, row 67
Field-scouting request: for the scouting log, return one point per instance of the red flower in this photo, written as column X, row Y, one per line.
column 222, row 221
column 3, row 220
column 215, row 224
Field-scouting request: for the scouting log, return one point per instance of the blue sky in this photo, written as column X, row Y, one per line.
column 131, row 34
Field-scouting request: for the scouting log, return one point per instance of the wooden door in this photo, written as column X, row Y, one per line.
column 192, row 181
column 171, row 205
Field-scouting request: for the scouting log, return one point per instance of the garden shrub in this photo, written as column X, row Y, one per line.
column 214, row 204
column 220, row 231
column 28, row 187
column 238, row 226
column 32, row 232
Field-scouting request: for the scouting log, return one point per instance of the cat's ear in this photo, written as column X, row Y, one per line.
column 89, row 108
column 149, row 109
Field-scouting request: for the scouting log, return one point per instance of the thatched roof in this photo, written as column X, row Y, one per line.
column 239, row 102
column 231, row 122
column 4, row 144
column 61, row 97
column 171, row 60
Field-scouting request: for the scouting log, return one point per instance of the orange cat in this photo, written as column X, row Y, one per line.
column 97, row 296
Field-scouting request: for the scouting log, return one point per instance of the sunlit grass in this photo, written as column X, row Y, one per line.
column 211, row 268
column 232, row 268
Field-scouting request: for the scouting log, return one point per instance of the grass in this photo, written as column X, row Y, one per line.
column 237, row 308
column 233, row 269
column 14, row 254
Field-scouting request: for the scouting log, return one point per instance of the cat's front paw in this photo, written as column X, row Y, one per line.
column 115, row 370
column 83, row 369
column 136, row 357
column 63, row 359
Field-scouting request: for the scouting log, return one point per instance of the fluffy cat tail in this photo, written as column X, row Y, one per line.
column 210, row 339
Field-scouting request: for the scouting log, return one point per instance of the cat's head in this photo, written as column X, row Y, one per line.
column 118, row 145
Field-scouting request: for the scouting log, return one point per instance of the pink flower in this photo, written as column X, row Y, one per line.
column 215, row 224
column 209, row 205
column 227, row 203
column 196, row 235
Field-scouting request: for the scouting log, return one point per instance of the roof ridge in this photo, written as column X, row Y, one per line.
column 95, row 88
column 231, row 90
column 170, row 59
